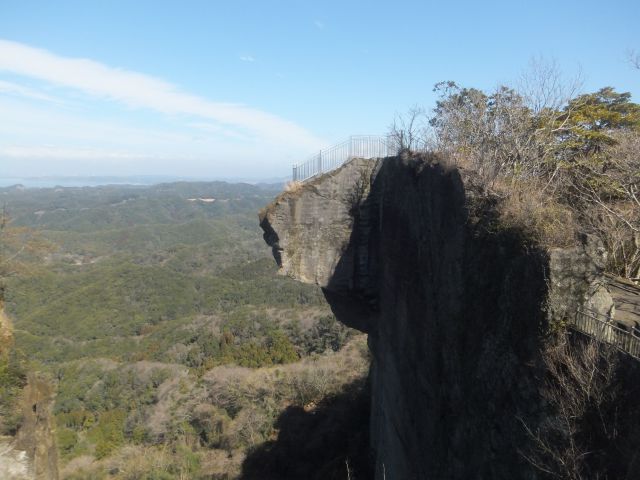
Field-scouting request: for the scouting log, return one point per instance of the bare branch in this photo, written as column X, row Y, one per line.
column 580, row 379
column 409, row 131
column 633, row 58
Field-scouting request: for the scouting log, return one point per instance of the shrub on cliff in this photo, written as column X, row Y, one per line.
column 589, row 424
column 13, row 378
column 560, row 162
column 108, row 434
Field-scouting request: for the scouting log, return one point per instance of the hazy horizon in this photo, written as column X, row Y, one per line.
column 245, row 90
column 135, row 180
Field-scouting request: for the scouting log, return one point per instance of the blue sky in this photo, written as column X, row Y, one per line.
column 244, row 89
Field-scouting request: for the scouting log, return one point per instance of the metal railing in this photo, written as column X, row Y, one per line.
column 357, row 146
column 603, row 329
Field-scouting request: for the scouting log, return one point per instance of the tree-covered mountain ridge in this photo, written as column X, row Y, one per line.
column 128, row 298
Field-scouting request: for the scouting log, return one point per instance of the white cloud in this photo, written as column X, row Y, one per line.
column 66, row 153
column 247, row 58
column 219, row 130
column 143, row 91
column 41, row 139
column 22, row 91
column 29, row 122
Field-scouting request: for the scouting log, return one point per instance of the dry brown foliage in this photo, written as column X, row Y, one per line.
column 579, row 384
column 226, row 413
column 527, row 206
column 606, row 190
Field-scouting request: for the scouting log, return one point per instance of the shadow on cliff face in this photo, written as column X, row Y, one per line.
column 453, row 304
column 617, row 448
column 328, row 442
column 457, row 304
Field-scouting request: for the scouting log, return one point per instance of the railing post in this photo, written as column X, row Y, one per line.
column 361, row 146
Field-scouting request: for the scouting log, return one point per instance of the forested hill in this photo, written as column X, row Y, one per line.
column 110, row 206
column 128, row 297
column 87, row 224
column 130, row 261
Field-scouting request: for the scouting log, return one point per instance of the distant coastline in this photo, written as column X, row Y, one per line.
column 140, row 180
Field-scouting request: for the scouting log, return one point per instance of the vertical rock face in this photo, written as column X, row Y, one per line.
column 32, row 454
column 310, row 227
column 36, row 435
column 14, row 463
column 412, row 253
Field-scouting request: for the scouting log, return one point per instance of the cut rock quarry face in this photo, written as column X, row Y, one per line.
column 411, row 252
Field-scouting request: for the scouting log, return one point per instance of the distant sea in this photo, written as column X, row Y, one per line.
column 48, row 182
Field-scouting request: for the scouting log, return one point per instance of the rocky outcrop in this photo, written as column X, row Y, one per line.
column 413, row 253
column 32, row 453
column 37, row 433
column 626, row 297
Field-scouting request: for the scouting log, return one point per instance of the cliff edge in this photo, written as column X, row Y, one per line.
column 456, row 306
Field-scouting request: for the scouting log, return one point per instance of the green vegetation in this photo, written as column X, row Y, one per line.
column 588, row 123
column 558, row 163
column 13, row 375
column 173, row 342
column 12, row 380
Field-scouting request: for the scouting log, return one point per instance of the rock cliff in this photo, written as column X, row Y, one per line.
column 32, row 452
column 456, row 305
column 37, row 433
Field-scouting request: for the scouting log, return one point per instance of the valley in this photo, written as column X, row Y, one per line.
column 158, row 316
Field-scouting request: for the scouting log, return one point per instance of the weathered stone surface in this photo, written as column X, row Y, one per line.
column 411, row 252
column 310, row 226
column 576, row 278
column 36, row 435
column 626, row 297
